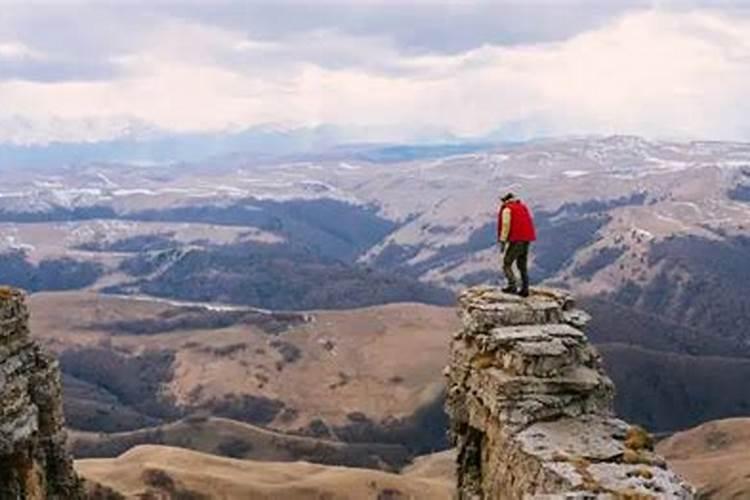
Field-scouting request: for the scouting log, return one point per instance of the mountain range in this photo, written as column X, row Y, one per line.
column 299, row 272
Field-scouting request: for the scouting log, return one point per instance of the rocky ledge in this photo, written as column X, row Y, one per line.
column 531, row 408
column 34, row 463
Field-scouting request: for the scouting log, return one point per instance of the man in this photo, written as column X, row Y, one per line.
column 515, row 232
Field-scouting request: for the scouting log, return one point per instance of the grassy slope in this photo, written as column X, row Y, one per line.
column 714, row 456
column 234, row 439
column 175, row 472
column 381, row 361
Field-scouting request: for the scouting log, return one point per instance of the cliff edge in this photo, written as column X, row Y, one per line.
column 34, row 463
column 531, row 408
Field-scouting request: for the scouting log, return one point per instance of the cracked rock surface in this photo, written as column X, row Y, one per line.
column 34, row 463
column 531, row 408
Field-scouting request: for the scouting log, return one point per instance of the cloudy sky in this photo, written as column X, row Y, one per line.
column 393, row 69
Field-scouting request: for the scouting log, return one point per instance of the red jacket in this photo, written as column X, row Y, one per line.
column 521, row 222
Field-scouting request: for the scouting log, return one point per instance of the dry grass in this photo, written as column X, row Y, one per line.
column 441, row 466
column 223, row 478
column 219, row 436
column 372, row 347
column 484, row 360
column 638, row 438
column 715, row 457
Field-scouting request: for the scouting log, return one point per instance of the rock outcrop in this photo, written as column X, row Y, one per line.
column 34, row 463
column 531, row 408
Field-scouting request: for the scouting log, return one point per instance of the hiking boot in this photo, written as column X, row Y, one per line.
column 524, row 292
column 509, row 289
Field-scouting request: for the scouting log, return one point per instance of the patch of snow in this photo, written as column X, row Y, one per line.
column 646, row 234
column 670, row 165
column 11, row 242
column 71, row 197
column 129, row 192
column 14, row 194
column 690, row 204
column 733, row 163
column 48, row 184
column 231, row 190
column 204, row 305
column 106, row 180
column 575, row 173
column 671, row 220
column 349, row 166
column 176, row 190
column 275, row 185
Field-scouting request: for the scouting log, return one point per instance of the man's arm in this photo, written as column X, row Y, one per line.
column 504, row 231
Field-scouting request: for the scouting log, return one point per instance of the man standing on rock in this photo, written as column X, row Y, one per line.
column 515, row 232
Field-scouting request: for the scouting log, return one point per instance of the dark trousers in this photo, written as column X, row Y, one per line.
column 517, row 253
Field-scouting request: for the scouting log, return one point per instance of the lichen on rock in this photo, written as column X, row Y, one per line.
column 531, row 408
column 34, row 463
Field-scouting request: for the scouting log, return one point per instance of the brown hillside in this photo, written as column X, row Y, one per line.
column 440, row 465
column 364, row 375
column 179, row 473
column 233, row 439
column 714, row 456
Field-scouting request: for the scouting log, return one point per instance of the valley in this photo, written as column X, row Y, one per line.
column 367, row 376
column 300, row 308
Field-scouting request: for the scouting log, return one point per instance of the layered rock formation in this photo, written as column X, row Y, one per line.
column 531, row 408
column 34, row 463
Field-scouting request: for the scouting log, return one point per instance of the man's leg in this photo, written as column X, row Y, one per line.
column 511, row 254
column 523, row 267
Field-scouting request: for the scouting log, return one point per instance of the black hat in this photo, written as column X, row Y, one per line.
column 507, row 197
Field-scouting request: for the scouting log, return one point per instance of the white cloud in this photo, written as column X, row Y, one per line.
column 652, row 72
column 17, row 50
